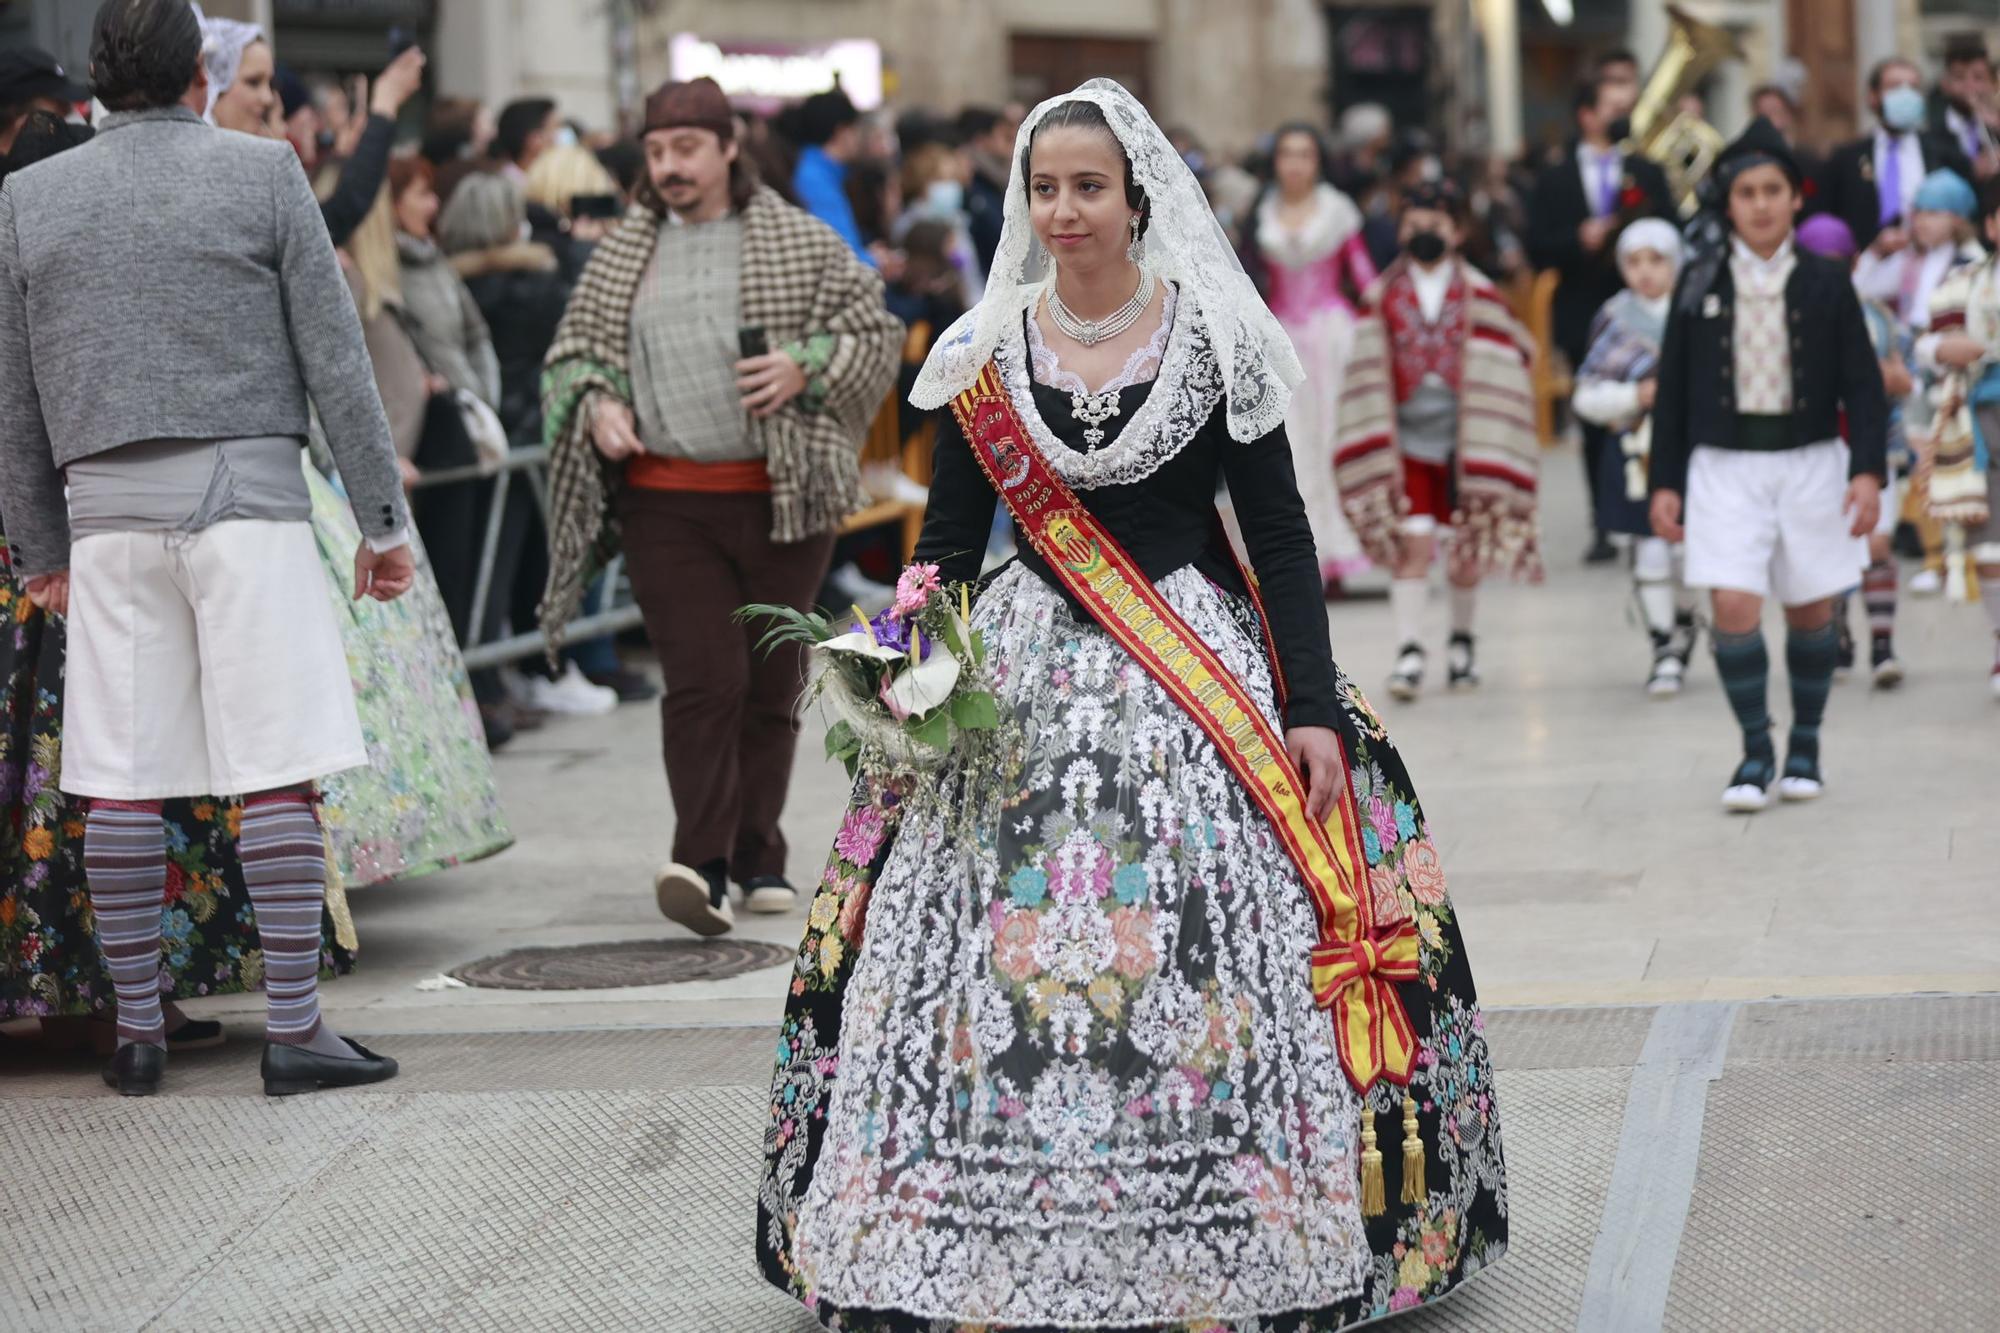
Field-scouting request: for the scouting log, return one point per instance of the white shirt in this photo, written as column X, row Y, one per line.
column 1432, row 285
column 1910, row 160
column 1965, row 131
column 1761, row 337
column 1592, row 164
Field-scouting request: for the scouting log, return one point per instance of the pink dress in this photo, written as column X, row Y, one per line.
column 1315, row 274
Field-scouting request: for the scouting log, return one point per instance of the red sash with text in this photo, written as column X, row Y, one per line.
column 1355, row 964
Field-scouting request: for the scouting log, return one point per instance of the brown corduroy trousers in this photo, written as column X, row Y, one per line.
column 729, row 720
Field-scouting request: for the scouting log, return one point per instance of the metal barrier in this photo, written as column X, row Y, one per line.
column 619, row 613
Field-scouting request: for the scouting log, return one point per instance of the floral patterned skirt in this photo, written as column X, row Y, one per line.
column 1052, row 1060
column 427, row 799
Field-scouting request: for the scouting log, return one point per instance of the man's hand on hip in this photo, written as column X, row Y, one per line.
column 383, row 575
column 768, row 382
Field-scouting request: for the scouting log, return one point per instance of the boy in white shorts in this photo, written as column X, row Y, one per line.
column 1766, row 349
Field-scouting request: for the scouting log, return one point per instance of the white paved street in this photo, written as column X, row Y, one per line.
column 587, row 1159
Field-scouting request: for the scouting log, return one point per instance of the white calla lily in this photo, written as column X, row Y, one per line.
column 859, row 644
column 924, row 685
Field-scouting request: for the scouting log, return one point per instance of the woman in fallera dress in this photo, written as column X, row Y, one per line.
column 1163, row 1022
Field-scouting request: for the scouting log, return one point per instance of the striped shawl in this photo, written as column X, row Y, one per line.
column 813, row 298
column 1497, row 458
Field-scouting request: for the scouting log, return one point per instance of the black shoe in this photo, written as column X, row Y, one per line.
column 695, row 896
column 136, row 1070
column 1601, row 551
column 290, row 1070
column 197, row 1034
column 632, row 687
column 769, row 895
column 1461, row 670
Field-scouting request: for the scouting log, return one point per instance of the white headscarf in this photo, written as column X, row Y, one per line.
column 1663, row 238
column 1184, row 244
column 223, row 42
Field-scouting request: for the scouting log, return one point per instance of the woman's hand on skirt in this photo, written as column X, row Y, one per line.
column 1316, row 751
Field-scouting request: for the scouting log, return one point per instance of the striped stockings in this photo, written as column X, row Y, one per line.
column 1878, row 595
column 125, row 866
column 284, row 867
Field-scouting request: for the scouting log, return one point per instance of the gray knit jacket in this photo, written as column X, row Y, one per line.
column 170, row 280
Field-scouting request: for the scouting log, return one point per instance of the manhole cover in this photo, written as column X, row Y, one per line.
column 625, row 963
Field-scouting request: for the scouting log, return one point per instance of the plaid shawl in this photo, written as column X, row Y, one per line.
column 813, row 298
column 1497, row 456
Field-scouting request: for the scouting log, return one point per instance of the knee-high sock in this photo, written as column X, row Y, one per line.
column 125, row 864
column 1809, row 658
column 1406, row 608
column 284, row 867
column 1652, row 579
column 1878, row 595
column 1464, row 602
column 1745, row 668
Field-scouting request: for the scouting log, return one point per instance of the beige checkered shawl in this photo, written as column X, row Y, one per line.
column 803, row 286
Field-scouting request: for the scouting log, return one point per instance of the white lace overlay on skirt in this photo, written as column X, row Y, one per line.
column 1082, row 1079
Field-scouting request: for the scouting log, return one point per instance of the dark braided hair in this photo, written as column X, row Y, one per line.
column 1081, row 115
column 143, row 53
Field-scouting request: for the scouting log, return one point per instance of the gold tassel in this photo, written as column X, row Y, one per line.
column 1413, row 1155
column 1373, row 1202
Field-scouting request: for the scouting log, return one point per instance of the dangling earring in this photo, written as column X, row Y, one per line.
column 1135, row 251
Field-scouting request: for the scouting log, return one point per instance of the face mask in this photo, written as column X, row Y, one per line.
column 1902, row 109
column 566, row 137
column 1620, row 129
column 945, row 196
column 1426, row 247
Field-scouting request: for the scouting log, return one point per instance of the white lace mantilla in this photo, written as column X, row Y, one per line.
column 1186, row 388
column 1082, row 1080
column 1254, row 362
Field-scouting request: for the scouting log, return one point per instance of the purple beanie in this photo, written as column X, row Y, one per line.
column 1826, row 235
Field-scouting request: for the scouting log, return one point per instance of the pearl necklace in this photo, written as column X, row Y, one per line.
column 1091, row 332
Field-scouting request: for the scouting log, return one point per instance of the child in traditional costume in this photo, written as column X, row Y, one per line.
column 1962, row 347
column 1437, row 433
column 1766, row 353
column 1615, row 389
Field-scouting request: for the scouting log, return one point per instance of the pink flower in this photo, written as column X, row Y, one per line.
column 1382, row 888
column 1132, row 937
column 1014, row 945
column 860, row 835
column 915, row 589
column 1383, row 816
column 1425, row 871
column 1405, row 1298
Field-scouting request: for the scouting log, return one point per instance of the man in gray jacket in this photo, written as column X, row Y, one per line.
column 169, row 303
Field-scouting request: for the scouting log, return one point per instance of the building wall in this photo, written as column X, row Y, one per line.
column 1231, row 71
column 498, row 50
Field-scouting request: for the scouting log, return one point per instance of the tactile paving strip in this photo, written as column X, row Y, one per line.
column 1853, row 1197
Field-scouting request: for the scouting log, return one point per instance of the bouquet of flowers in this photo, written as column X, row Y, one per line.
column 903, row 688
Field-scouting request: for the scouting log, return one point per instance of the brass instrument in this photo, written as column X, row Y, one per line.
column 1684, row 145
